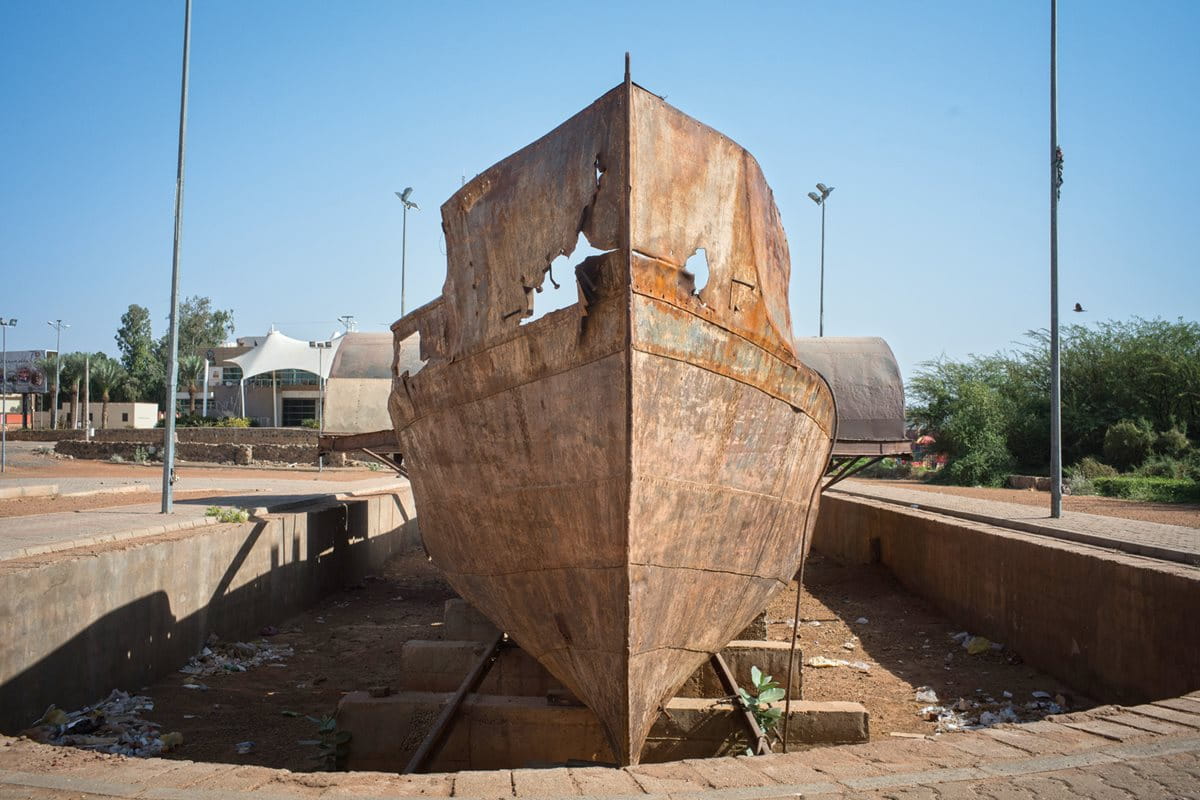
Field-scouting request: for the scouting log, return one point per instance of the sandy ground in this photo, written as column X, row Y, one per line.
column 351, row 641
column 38, row 463
column 1164, row 513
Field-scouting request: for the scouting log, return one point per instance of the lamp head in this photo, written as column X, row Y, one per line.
column 816, row 198
column 405, row 194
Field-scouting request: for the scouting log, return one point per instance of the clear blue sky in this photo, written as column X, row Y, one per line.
column 929, row 118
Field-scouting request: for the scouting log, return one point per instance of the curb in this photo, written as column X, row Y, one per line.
column 89, row 541
column 14, row 492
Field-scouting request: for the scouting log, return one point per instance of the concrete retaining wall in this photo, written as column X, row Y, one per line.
column 293, row 436
column 77, row 624
column 1118, row 627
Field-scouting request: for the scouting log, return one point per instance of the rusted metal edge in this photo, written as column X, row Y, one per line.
column 851, row 466
column 400, row 470
column 761, row 745
column 441, row 726
column 347, row 442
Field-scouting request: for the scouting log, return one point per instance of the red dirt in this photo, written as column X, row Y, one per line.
column 1163, row 513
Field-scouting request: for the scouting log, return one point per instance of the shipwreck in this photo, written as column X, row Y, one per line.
column 623, row 483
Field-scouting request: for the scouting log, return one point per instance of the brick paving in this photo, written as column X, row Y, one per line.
column 1169, row 542
column 1108, row 753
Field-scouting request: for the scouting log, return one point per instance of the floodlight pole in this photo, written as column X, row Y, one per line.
column 404, row 240
column 1055, row 365
column 5, row 324
column 168, row 478
column 821, row 311
column 58, row 325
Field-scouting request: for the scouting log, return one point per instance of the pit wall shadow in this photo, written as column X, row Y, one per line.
column 1117, row 627
column 76, row 625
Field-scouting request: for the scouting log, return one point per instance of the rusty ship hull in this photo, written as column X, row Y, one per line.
column 622, row 484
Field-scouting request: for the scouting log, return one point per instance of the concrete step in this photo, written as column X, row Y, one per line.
column 494, row 732
column 439, row 666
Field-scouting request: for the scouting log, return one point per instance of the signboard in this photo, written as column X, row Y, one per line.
column 23, row 373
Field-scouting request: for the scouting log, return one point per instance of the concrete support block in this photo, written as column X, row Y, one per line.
column 462, row 622
column 439, row 666
column 756, row 630
column 492, row 732
column 430, row 666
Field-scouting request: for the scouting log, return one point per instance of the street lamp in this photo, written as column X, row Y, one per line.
column 404, row 239
column 351, row 324
column 58, row 326
column 321, row 347
column 5, row 324
column 822, row 200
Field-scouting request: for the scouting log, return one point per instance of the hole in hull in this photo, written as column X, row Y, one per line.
column 697, row 267
column 548, row 298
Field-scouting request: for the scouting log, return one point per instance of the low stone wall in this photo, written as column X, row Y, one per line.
column 1120, row 628
column 224, row 453
column 1041, row 483
column 77, row 624
column 275, row 436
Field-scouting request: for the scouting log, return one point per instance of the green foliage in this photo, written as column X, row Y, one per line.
column 1172, row 443
column 1088, row 467
column 233, row 422
column 1165, row 467
column 1150, row 490
column 1112, row 371
column 974, row 437
column 333, row 748
column 759, row 702
column 190, row 376
column 310, row 423
column 227, row 514
column 136, row 343
column 1127, row 444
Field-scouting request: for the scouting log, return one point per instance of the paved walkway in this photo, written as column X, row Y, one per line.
column 44, row 533
column 1170, row 542
column 1147, row 751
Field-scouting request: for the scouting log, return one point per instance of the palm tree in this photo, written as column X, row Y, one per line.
column 73, row 367
column 48, row 367
column 191, row 376
column 106, row 376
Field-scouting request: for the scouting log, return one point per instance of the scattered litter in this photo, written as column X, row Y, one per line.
column 268, row 630
column 977, row 644
column 1007, row 694
column 289, row 713
column 189, row 716
column 906, row 735
column 861, row 621
column 926, row 695
column 816, row 623
column 848, row 645
column 222, row 657
column 113, row 725
column 1041, row 695
column 244, row 748
column 960, row 636
column 983, row 712
column 822, row 661
column 196, row 685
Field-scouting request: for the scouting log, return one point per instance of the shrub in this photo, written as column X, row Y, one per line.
column 310, row 423
column 1172, row 443
column 888, row 468
column 1164, row 467
column 1150, row 490
column 1080, row 485
column 975, row 440
column 233, row 422
column 1089, row 467
column 1127, row 444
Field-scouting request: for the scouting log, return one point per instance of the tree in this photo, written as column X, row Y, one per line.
column 136, row 343
column 200, row 327
column 73, row 365
column 106, row 376
column 191, row 377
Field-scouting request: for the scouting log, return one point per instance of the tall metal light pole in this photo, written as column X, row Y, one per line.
column 822, row 200
column 404, row 239
column 1055, row 372
column 168, row 478
column 5, row 324
column 351, row 324
column 58, row 326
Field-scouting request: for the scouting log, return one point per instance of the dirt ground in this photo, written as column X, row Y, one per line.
column 30, row 506
column 1164, row 513
column 907, row 643
column 351, row 641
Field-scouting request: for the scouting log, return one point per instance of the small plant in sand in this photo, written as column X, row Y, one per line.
column 759, row 702
column 227, row 514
